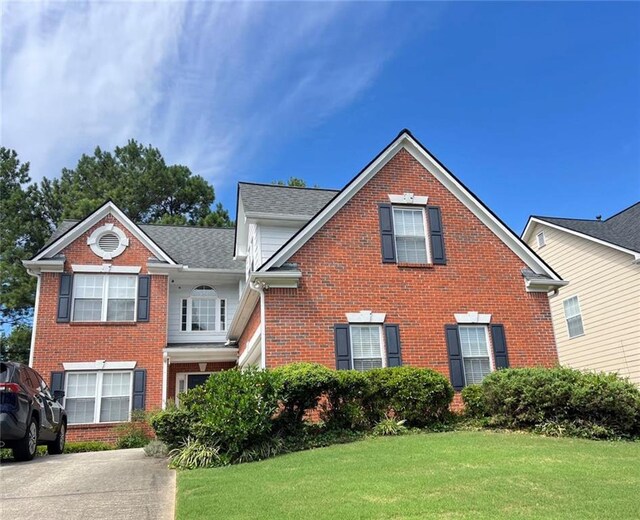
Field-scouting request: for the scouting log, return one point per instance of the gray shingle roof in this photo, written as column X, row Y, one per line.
column 197, row 247
column 622, row 229
column 283, row 200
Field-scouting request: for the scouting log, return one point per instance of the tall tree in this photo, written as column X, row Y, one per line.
column 16, row 345
column 137, row 179
column 292, row 181
column 23, row 232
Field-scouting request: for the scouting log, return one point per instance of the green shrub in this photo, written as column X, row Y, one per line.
column 233, row 410
column 390, row 426
column 344, row 405
column 195, row 453
column 421, row 396
column 300, row 388
column 87, row 446
column 473, row 399
column 156, row 449
column 173, row 425
column 133, row 434
column 563, row 399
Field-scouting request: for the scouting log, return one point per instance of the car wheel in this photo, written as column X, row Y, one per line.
column 57, row 447
column 25, row 448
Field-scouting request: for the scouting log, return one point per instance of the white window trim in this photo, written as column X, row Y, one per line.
column 182, row 377
column 472, row 317
column 383, row 346
column 409, row 198
column 98, row 395
column 365, row 317
column 99, row 364
column 566, row 318
column 492, row 364
column 94, row 238
column 106, row 268
column 425, row 223
column 218, row 317
column 541, row 240
column 105, row 300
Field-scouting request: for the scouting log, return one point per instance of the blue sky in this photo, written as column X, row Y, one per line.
column 535, row 106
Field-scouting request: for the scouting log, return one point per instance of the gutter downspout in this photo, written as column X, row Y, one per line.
column 165, row 367
column 259, row 288
column 35, row 318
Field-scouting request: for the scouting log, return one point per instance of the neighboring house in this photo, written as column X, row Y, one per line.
column 597, row 317
column 404, row 265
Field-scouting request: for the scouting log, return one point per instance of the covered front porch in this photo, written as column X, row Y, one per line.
column 188, row 365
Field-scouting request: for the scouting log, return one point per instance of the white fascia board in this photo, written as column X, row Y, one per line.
column 406, row 141
column 252, row 349
column 198, row 354
column 280, row 279
column 533, row 220
column 91, row 220
column 542, row 285
column 247, row 303
column 43, row 266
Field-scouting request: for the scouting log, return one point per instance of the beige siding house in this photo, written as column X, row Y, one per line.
column 597, row 316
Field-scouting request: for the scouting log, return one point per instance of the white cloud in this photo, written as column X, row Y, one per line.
column 201, row 81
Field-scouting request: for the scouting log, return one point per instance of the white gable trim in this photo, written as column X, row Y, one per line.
column 95, row 217
column 406, row 141
column 533, row 220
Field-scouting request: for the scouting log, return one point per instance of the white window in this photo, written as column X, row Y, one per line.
column 97, row 397
column 99, row 297
column 540, row 238
column 203, row 311
column 573, row 316
column 366, row 346
column 474, row 343
column 410, row 233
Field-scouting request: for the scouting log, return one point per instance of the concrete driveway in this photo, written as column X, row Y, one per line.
column 100, row 485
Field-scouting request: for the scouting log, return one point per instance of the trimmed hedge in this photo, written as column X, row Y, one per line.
column 559, row 401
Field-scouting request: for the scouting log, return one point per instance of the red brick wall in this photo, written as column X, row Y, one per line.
column 58, row 343
column 250, row 329
column 175, row 368
column 342, row 272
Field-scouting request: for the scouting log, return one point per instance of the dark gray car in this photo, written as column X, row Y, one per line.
column 29, row 414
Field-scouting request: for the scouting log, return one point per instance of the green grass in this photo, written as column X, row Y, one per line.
column 441, row 475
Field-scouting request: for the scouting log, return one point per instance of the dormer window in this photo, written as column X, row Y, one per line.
column 108, row 241
column 203, row 311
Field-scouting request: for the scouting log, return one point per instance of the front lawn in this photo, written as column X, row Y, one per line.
column 448, row 475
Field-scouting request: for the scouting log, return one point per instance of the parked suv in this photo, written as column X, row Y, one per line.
column 29, row 414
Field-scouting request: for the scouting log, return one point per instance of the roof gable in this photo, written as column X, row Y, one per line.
column 407, row 142
column 74, row 231
column 621, row 231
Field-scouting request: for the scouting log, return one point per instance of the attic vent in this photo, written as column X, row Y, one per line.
column 109, row 242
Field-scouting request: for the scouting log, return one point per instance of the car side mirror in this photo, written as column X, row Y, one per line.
column 58, row 395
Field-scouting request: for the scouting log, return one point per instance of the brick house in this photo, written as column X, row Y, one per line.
column 404, row 265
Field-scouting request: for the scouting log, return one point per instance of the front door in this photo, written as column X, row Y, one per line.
column 194, row 380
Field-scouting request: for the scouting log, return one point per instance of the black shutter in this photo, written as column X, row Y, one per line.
column 392, row 337
column 456, row 367
column 437, row 237
column 57, row 381
column 499, row 346
column 64, row 298
column 343, row 347
column 144, row 290
column 139, row 384
column 387, row 239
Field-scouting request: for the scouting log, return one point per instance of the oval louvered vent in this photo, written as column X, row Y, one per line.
column 109, row 242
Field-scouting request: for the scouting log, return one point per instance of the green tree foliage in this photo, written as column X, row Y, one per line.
column 137, row 179
column 15, row 346
column 293, row 182
column 23, row 231
column 134, row 177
